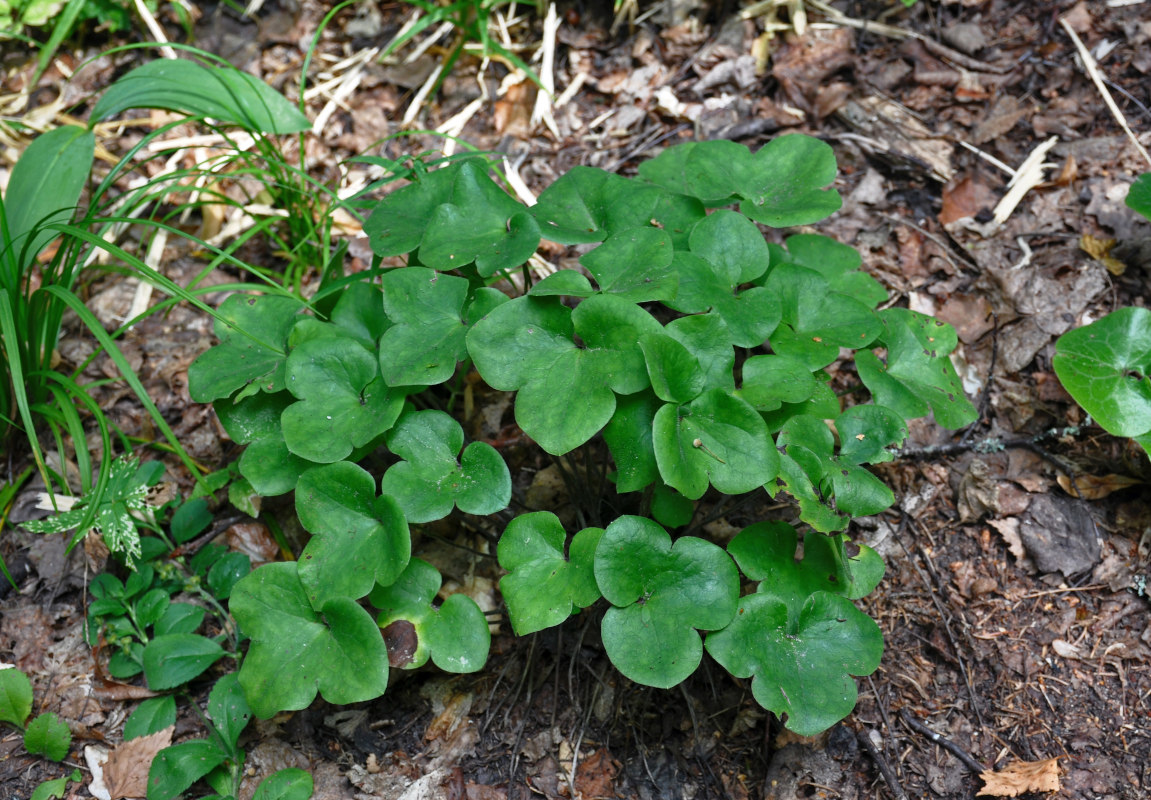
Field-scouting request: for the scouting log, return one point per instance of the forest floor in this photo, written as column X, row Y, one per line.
column 1010, row 610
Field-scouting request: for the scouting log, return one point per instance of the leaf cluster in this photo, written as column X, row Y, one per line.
column 695, row 348
column 47, row 735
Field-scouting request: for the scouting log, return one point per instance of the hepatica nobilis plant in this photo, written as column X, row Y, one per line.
column 687, row 345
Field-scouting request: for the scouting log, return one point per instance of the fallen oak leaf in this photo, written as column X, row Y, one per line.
column 1020, row 777
column 126, row 770
column 1094, row 487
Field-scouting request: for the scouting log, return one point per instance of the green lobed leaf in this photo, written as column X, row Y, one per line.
column 706, row 336
column 286, row 784
column 357, row 312
column 48, row 736
column 772, row 380
column 865, row 433
column 253, row 334
column 44, row 188
column 918, row 374
column 15, row 696
column 430, row 481
column 629, row 438
column 343, row 402
column 545, row 586
column 174, row 659
column 1106, row 367
column 176, row 768
column 296, row 651
column 660, row 594
column 225, row 94
column 358, row 539
column 527, row 344
column 563, row 283
column 479, row 224
column 750, row 314
column 455, row 635
column 784, row 185
column 732, row 243
column 837, row 263
column 717, row 439
column 802, row 664
column 708, row 171
column 397, row 224
column 635, row 264
column 427, row 337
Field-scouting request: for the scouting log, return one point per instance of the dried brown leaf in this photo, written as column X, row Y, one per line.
column 126, row 771
column 1020, row 777
column 1100, row 250
column 1093, row 487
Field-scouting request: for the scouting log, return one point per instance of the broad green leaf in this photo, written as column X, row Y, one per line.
column 270, row 467
column 253, row 334
column 44, row 188
column 296, row 651
column 225, row 94
column 567, row 393
column 224, row 574
column 817, row 321
column 180, row 618
column 751, row 314
column 152, row 606
column 634, row 264
column 563, row 283
column 253, row 417
column 629, row 438
column 55, row 789
column 286, row 784
column 455, row 634
column 190, row 520
column 176, row 768
column 716, row 438
column 358, row 312
column 48, row 736
column 709, row 171
column 152, row 715
column 398, row 222
column 802, row 664
column 706, row 336
column 670, row 508
column 822, row 404
column 676, row 376
column 784, row 185
column 1106, row 367
column 344, row 403
column 660, row 594
column 15, row 696
column 1139, row 195
column 732, row 243
column 918, row 374
column 770, row 381
column 587, row 205
column 544, row 586
column 427, row 336
column 430, row 481
column 228, row 709
column 176, row 658
column 865, row 433
column 837, row 263
column 480, row 224
column 358, row 539
column 766, row 552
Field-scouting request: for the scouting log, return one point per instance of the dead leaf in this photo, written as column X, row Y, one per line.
column 965, row 198
column 1100, row 250
column 595, row 775
column 1093, row 487
column 1020, row 777
column 126, row 771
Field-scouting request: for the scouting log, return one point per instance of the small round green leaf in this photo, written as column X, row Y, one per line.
column 731, row 242
column 296, row 650
column 803, row 664
column 1106, row 367
column 48, row 736
column 660, row 593
column 544, row 586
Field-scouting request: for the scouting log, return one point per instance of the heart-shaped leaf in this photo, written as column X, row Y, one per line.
column 708, row 171
column 751, row 314
column 296, row 650
column 837, row 263
column 430, row 480
column 802, row 664
column 715, row 438
column 359, row 539
column 770, row 381
column 266, row 462
column 732, row 243
column 455, row 634
column 784, row 186
column 918, row 375
column 660, row 594
column 527, row 344
column 344, row 403
column 1106, row 367
column 253, row 333
column 635, row 264
column 427, row 336
column 398, row 222
column 545, row 586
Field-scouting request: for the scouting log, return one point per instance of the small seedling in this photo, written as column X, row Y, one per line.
column 46, row 735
